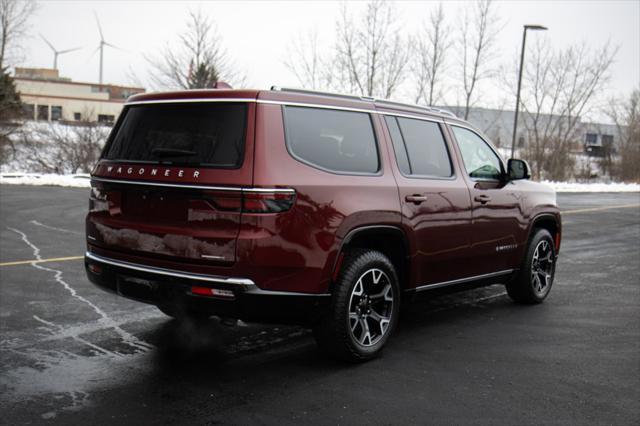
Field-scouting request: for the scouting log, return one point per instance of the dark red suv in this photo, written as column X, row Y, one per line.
column 318, row 209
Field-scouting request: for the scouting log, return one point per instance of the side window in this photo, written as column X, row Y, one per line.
column 398, row 145
column 479, row 159
column 333, row 140
column 420, row 147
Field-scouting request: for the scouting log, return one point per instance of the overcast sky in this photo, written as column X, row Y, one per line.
column 257, row 34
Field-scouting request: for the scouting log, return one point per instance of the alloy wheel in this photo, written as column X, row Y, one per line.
column 542, row 265
column 370, row 307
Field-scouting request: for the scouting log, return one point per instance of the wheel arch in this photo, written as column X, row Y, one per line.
column 550, row 222
column 388, row 239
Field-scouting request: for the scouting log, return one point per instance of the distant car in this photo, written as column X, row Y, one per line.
column 324, row 210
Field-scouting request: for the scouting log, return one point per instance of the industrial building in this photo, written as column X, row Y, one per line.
column 48, row 97
column 594, row 139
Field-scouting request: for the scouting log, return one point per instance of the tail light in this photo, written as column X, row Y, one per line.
column 212, row 292
column 225, row 201
column 248, row 201
column 267, row 202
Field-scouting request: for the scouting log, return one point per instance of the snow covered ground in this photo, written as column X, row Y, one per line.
column 82, row 181
column 593, row 187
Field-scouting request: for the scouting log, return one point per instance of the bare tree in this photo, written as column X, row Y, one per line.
column 14, row 17
column 479, row 29
column 626, row 116
column 197, row 61
column 306, row 63
column 559, row 88
column 432, row 44
column 57, row 148
column 371, row 54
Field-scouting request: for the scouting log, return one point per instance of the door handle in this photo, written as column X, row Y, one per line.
column 416, row 198
column 483, row 198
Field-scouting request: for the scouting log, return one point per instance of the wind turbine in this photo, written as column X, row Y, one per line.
column 57, row 52
column 102, row 45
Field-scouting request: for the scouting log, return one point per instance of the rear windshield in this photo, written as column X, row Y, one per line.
column 198, row 134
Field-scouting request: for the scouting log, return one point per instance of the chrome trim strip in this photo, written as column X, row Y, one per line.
column 191, row 100
column 415, row 117
column 310, row 105
column 339, row 108
column 460, row 281
column 245, row 284
column 169, row 272
column 298, row 104
column 213, row 188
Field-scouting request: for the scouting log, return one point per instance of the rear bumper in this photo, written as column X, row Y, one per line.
column 241, row 298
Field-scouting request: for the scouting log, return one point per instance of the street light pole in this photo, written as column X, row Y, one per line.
column 515, row 119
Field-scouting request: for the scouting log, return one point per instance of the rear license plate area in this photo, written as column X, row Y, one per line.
column 155, row 205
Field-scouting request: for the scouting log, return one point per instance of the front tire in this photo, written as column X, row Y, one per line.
column 533, row 282
column 364, row 308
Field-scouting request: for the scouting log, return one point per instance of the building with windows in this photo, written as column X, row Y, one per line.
column 48, row 97
column 594, row 139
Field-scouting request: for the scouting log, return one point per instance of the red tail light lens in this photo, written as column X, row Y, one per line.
column 226, row 201
column 267, row 202
column 248, row 201
column 212, row 292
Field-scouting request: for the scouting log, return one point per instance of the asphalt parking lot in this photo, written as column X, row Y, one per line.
column 72, row 354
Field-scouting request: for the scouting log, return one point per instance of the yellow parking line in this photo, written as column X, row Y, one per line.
column 55, row 259
column 597, row 209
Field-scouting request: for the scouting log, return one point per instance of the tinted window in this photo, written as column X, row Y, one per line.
column 479, row 159
column 198, row 134
column 340, row 141
column 425, row 148
column 398, row 145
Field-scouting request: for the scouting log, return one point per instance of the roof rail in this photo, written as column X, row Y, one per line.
column 381, row 102
column 318, row 92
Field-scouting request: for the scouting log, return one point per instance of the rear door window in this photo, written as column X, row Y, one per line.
column 192, row 134
column 332, row 140
column 420, row 147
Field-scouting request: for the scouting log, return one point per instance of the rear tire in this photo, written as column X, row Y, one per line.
column 364, row 308
column 535, row 278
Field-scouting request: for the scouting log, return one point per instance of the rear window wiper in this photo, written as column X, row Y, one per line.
column 173, row 152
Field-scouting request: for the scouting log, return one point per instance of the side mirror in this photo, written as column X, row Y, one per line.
column 518, row 169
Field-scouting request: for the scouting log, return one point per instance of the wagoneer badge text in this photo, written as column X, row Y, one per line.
column 150, row 171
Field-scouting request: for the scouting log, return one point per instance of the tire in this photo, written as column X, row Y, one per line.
column 535, row 278
column 364, row 308
column 182, row 314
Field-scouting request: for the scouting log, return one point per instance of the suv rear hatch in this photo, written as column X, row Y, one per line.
column 169, row 181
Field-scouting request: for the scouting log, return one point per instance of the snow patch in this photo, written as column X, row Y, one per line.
column 80, row 180
column 593, row 187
